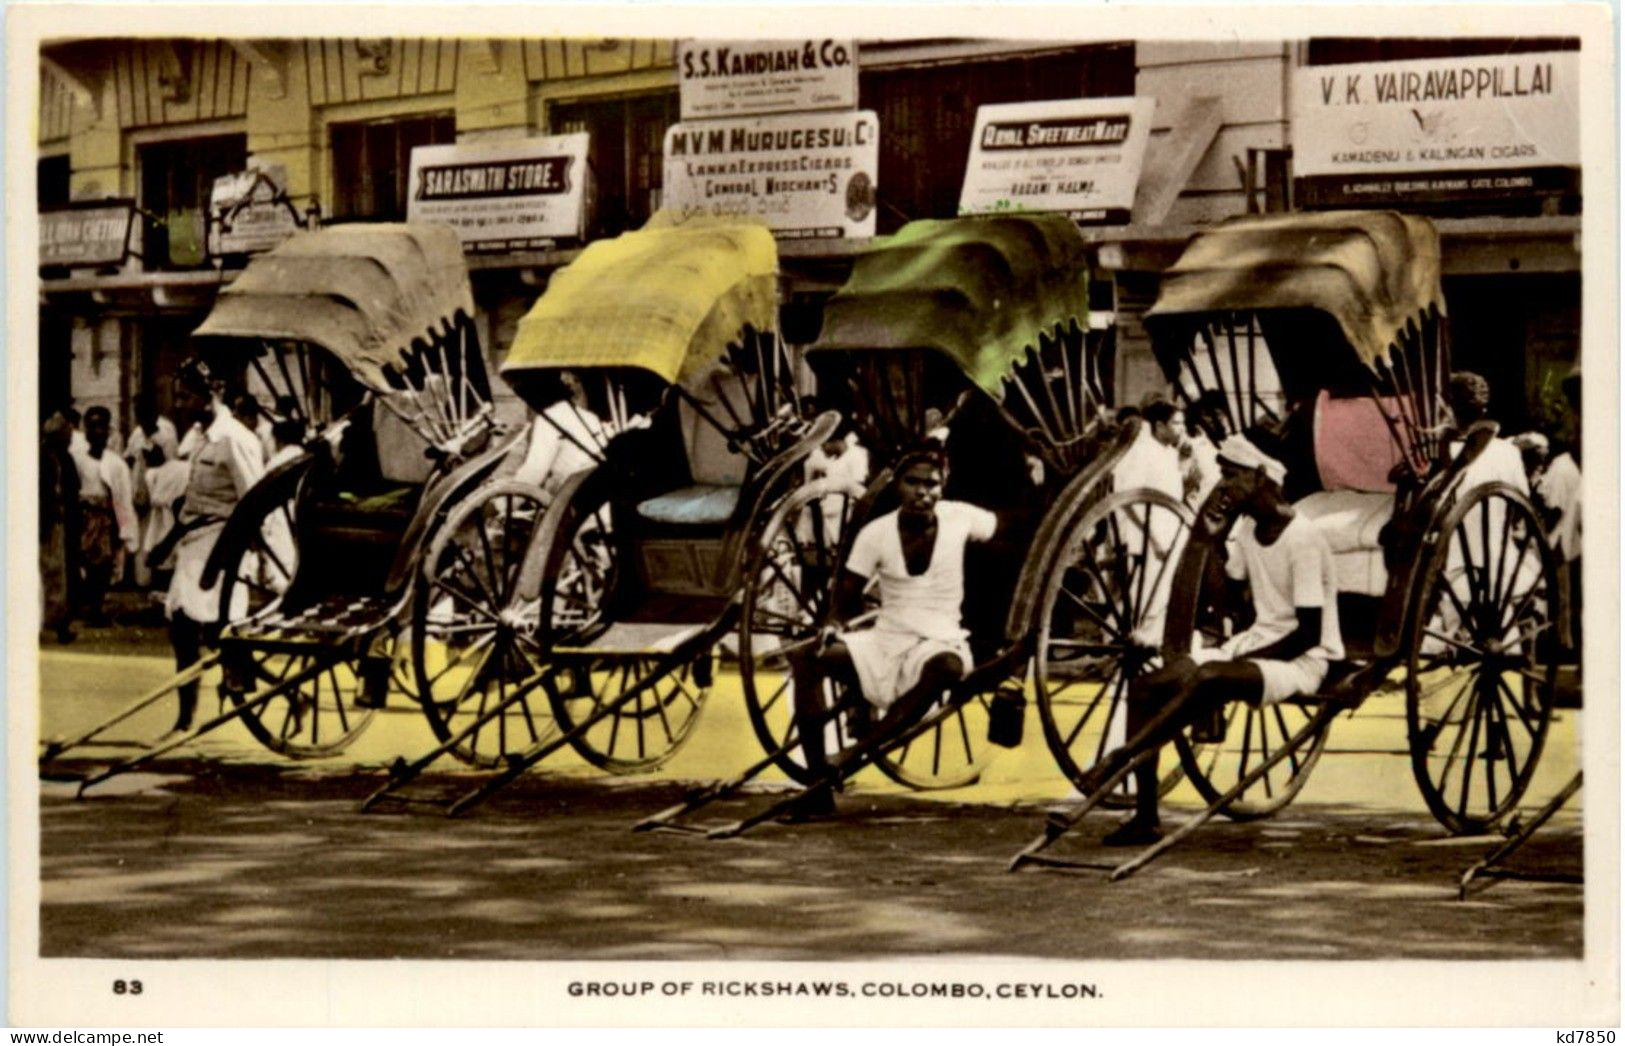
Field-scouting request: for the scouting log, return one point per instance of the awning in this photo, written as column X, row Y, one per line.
column 978, row 290
column 363, row 292
column 1371, row 271
column 667, row 298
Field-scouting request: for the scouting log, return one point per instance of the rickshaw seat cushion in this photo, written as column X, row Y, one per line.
column 1354, row 449
column 1351, row 521
column 703, row 504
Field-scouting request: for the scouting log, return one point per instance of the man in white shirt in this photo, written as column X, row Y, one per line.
column 563, row 439
column 1285, row 652
column 227, row 465
column 109, row 528
column 918, row 646
column 839, row 465
column 1206, row 423
column 1500, row 461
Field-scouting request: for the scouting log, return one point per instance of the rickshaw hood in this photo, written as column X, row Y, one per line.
column 668, row 299
column 979, row 290
column 1374, row 272
column 363, row 292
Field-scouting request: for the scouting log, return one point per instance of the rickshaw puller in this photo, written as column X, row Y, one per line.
column 918, row 646
column 1284, row 653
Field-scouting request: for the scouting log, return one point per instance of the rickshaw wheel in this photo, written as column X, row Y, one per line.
column 579, row 581
column 952, row 753
column 1478, row 703
column 1101, row 625
column 472, row 632
column 1251, row 732
column 788, row 586
column 319, row 717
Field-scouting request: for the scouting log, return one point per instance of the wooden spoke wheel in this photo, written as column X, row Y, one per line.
column 583, row 684
column 788, row 586
column 317, row 717
column 951, row 753
column 1478, row 702
column 1101, row 623
column 473, row 635
column 259, row 563
column 1252, row 734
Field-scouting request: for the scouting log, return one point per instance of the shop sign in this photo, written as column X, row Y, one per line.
column 86, row 234
column 1436, row 129
column 502, row 195
column 250, row 212
column 811, row 175
column 732, row 78
column 1079, row 157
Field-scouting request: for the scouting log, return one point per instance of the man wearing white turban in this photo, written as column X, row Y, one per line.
column 1285, row 652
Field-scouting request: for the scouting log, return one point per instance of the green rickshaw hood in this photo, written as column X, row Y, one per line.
column 1374, row 272
column 979, row 290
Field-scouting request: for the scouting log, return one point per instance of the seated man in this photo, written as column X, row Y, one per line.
column 1284, row 653
column 918, row 646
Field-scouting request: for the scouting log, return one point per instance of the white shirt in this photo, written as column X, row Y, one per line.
column 1149, row 463
column 552, row 455
column 1560, row 489
column 849, row 472
column 925, row 605
column 1205, row 462
column 1500, row 462
column 109, row 477
column 1295, row 571
column 163, row 436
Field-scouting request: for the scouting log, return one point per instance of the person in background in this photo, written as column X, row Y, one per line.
column 839, row 465
column 76, row 433
column 1560, row 489
column 151, row 429
column 108, row 525
column 227, row 464
column 1206, row 425
column 1536, row 451
column 58, row 527
column 1468, row 395
column 1152, row 460
column 563, row 439
column 165, row 482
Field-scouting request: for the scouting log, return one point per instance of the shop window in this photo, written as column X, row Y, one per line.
column 372, row 162
column 927, row 114
column 52, row 181
column 176, row 178
column 625, row 155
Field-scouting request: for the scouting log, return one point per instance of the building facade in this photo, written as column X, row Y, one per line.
column 154, row 123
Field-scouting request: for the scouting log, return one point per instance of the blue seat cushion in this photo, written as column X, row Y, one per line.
column 698, row 505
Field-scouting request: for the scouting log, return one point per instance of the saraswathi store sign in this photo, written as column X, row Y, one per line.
column 1079, row 157
column 524, row 192
column 728, row 78
column 1437, row 129
column 808, row 175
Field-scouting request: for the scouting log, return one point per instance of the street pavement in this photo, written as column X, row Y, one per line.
column 222, row 850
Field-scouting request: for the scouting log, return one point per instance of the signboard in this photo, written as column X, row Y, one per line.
column 808, row 175
column 86, row 234
column 1436, row 129
column 502, row 195
column 250, row 212
column 731, row 78
column 1079, row 157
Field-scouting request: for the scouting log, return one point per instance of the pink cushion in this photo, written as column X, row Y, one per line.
column 1354, row 449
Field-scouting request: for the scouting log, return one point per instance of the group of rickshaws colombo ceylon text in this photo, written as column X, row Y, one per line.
column 397, row 551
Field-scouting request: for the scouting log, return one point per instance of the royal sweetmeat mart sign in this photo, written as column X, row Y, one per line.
column 1437, row 129
column 808, row 175
column 502, row 195
column 731, row 78
column 1079, row 157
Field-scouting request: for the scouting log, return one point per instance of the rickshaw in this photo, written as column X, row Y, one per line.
column 1326, row 336
column 364, row 334
column 978, row 325
column 608, row 599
